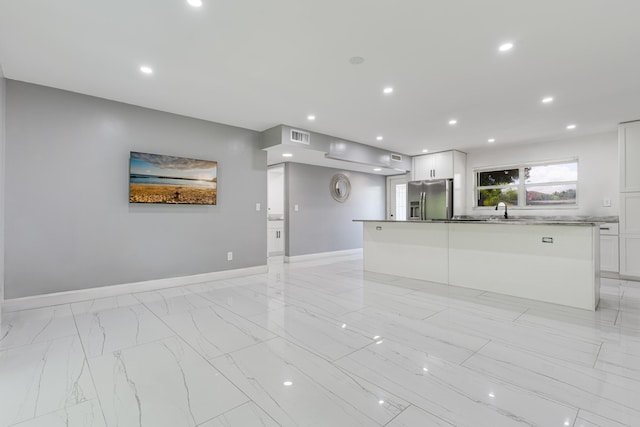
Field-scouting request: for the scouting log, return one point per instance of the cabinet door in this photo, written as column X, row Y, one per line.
column 279, row 246
column 442, row 165
column 630, row 255
column 275, row 241
column 629, row 151
column 630, row 213
column 433, row 166
column 422, row 167
column 609, row 253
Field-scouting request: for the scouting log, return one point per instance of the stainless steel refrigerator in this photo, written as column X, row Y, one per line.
column 430, row 199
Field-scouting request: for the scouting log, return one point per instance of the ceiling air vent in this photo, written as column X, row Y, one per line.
column 300, row 136
column 396, row 157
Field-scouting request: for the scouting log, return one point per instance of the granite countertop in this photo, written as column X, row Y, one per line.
column 515, row 220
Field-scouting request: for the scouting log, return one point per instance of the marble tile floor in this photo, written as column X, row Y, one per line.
column 322, row 343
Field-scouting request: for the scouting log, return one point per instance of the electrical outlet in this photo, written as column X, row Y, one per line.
column 229, row 256
column 606, row 203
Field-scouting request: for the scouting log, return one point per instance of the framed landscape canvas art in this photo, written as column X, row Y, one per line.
column 154, row 178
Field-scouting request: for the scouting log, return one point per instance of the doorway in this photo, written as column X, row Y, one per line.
column 275, row 211
column 397, row 198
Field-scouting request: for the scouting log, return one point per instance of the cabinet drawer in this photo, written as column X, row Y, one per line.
column 609, row 229
column 275, row 225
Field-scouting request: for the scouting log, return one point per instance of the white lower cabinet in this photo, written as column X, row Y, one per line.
column 609, row 257
column 630, row 235
column 630, row 255
column 553, row 263
column 275, row 238
column 609, row 248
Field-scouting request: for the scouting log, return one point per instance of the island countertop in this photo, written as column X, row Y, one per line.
column 516, row 220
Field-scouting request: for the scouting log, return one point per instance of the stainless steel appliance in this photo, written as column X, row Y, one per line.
column 430, row 199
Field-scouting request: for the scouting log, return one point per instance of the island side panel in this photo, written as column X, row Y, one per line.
column 513, row 260
column 414, row 250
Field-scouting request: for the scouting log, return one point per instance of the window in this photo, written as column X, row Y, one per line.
column 542, row 185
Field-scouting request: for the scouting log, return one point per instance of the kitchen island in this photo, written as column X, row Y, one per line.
column 552, row 261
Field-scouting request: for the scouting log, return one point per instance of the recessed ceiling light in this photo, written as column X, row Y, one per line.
column 425, row 151
column 388, row 90
column 571, row 127
column 491, row 140
column 505, row 47
column 547, row 99
column 287, row 383
column 311, row 117
column 379, row 138
column 356, row 60
column 287, row 155
column 146, row 70
column 381, row 402
column 377, row 169
column 195, row 3
column 453, row 122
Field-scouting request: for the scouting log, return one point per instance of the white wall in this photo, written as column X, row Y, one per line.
column 597, row 171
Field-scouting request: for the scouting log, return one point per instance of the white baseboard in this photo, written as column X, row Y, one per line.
column 320, row 255
column 67, row 297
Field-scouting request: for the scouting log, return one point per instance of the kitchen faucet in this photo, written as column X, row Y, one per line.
column 506, row 216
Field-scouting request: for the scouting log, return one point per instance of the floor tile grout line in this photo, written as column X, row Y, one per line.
column 209, row 362
column 520, row 315
column 474, row 353
column 410, row 403
column 37, row 342
column 86, row 358
column 236, row 407
column 137, row 344
column 595, row 362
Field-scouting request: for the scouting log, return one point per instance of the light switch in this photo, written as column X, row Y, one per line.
column 295, row 208
column 257, row 206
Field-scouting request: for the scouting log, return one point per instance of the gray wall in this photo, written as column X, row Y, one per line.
column 68, row 221
column 323, row 224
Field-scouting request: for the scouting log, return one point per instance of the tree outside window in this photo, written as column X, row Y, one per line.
column 545, row 185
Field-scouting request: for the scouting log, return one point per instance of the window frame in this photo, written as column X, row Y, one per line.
column 522, row 185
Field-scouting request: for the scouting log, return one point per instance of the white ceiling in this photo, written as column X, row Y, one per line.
column 257, row 63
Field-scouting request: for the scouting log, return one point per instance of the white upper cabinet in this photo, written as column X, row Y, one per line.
column 444, row 165
column 433, row 166
column 629, row 148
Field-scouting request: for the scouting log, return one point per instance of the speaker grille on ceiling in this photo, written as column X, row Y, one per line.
column 300, row 136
